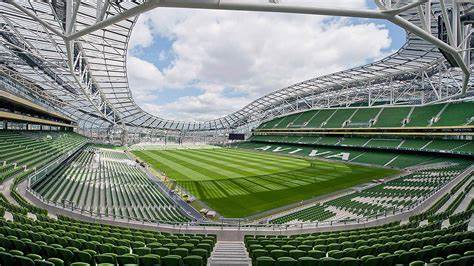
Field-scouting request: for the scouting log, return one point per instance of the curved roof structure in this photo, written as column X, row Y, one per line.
column 73, row 54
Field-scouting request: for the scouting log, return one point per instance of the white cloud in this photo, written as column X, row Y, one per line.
column 251, row 53
column 142, row 35
column 144, row 77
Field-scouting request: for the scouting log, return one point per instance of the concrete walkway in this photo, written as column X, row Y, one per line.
column 5, row 190
column 465, row 202
column 229, row 253
column 453, row 197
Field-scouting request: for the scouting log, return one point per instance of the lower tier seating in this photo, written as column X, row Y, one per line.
column 387, row 245
column 373, row 157
column 107, row 183
column 381, row 199
column 67, row 242
column 465, row 147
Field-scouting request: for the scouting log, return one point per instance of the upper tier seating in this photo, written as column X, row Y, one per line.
column 22, row 151
column 436, row 115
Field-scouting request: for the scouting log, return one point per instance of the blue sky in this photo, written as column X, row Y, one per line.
column 200, row 64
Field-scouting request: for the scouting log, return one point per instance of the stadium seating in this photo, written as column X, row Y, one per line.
column 392, row 117
column 24, row 152
column 108, row 183
column 435, row 115
column 338, row 118
column 390, row 143
column 363, row 117
column 456, row 114
column 385, row 245
column 380, row 199
column 67, row 242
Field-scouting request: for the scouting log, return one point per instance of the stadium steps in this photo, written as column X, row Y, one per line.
column 229, row 253
column 409, row 116
column 463, row 206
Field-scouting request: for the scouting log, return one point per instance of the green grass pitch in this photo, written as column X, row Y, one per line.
column 239, row 183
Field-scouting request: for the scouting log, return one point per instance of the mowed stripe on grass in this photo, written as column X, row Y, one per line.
column 238, row 183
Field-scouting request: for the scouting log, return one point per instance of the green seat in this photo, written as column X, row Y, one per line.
column 161, row 251
column 466, row 260
column 34, row 257
column 121, row 250
column 82, row 256
column 65, row 254
column 436, row 260
column 15, row 252
column 453, row 262
column 137, row 244
column 286, row 261
column 305, row 247
column 127, row 259
column 6, row 258
column 349, row 262
column 154, row 245
column 49, row 251
column 141, row 251
column 406, row 257
column 78, row 263
column 171, row 260
column 23, row 261
column 180, row 252
column 265, row 261
column 258, row 253
column 205, row 246
column 200, row 252
column 104, row 258
column 277, row 253
column 317, row 254
column 288, row 247
column 171, row 246
column 417, row 263
column 149, row 260
column 193, row 260
column 45, row 263
column 389, row 259
column 56, row 261
column 307, row 261
column 187, row 246
column 328, row 261
column 453, row 256
column 271, row 247
column 106, row 248
column 296, row 254
column 366, row 257
column 337, row 254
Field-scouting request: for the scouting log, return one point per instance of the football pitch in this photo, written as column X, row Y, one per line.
column 239, row 183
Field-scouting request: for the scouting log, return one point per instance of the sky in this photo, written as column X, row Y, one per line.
column 197, row 65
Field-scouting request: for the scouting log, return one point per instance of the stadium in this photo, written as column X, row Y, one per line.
column 371, row 164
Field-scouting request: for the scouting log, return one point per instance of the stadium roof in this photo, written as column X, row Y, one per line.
column 73, row 54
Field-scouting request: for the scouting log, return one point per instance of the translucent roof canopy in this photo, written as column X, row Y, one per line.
column 73, row 54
